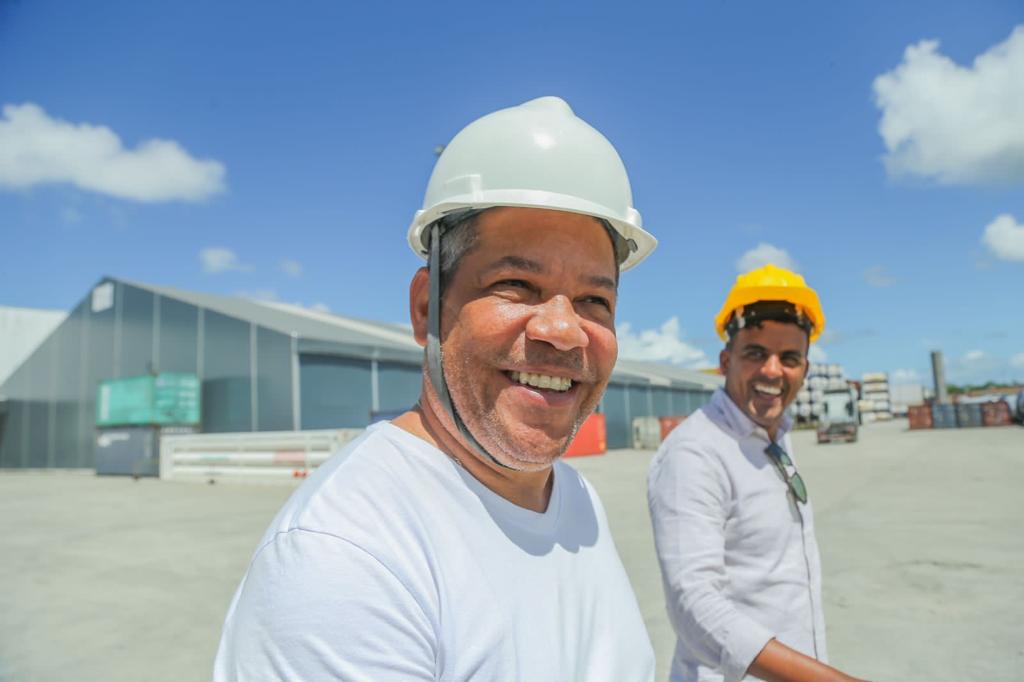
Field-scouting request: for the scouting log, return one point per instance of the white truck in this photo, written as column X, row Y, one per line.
column 839, row 419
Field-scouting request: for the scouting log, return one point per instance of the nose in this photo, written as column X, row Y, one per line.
column 772, row 367
column 555, row 322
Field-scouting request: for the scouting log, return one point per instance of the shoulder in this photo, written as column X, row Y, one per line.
column 365, row 467
column 697, row 442
column 369, row 494
column 319, row 605
column 305, row 560
column 344, row 569
column 365, row 509
column 693, row 455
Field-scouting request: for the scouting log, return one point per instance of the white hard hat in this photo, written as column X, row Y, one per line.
column 538, row 155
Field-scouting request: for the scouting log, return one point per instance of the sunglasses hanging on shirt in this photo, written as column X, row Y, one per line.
column 788, row 470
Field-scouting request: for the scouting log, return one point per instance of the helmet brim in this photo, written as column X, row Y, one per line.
column 627, row 226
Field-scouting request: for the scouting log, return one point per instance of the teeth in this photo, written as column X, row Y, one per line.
column 770, row 390
column 542, row 381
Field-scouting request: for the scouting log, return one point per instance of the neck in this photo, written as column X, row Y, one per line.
column 528, row 489
column 771, row 428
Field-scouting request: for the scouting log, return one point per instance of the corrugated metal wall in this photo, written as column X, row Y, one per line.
column 624, row 402
column 45, row 408
column 336, row 392
column 248, row 375
column 246, row 371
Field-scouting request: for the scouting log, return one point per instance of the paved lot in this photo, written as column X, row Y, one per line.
column 110, row 579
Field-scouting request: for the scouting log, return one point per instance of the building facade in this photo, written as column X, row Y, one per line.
column 262, row 367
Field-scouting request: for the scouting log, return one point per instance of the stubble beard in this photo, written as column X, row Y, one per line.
column 493, row 432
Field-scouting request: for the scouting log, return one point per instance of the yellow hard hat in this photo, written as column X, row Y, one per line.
column 771, row 283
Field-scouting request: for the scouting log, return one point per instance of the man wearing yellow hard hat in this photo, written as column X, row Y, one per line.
column 733, row 523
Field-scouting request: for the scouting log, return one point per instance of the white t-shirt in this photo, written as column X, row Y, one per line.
column 393, row 563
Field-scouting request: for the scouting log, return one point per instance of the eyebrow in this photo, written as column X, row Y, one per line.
column 788, row 351
column 525, row 264
column 515, row 263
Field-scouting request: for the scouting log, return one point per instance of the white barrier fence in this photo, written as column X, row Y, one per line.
column 258, row 456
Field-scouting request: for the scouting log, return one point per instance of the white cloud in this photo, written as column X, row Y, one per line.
column 37, row 149
column 664, row 344
column 265, row 295
column 817, row 354
column 763, row 254
column 878, row 276
column 1017, row 361
column 291, row 267
column 217, row 259
column 1004, row 236
column 977, row 366
column 953, row 123
column 318, row 307
column 905, row 376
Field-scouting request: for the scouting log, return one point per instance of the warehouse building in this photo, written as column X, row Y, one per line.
column 21, row 330
column 261, row 366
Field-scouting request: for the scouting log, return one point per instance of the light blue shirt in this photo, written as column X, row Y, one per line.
column 738, row 556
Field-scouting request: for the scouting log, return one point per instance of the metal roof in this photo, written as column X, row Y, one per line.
column 329, row 333
column 316, row 331
column 660, row 374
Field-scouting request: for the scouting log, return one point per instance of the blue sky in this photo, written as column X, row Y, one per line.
column 297, row 141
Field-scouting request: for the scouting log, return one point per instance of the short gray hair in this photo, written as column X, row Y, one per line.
column 459, row 233
column 458, row 236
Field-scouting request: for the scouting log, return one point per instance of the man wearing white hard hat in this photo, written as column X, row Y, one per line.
column 452, row 543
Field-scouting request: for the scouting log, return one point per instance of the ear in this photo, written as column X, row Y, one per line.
column 723, row 361
column 419, row 301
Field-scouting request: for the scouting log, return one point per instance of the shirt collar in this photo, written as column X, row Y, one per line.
column 739, row 423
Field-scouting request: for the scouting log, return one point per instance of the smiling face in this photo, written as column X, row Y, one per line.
column 528, row 332
column 764, row 368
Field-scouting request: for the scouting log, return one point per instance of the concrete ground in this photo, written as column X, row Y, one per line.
column 921, row 537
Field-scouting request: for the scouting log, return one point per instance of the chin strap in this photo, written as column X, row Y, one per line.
column 435, row 368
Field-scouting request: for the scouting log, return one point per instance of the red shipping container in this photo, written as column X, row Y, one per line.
column 920, row 416
column 669, row 423
column 996, row 413
column 591, row 439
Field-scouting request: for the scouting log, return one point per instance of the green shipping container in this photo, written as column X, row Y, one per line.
column 162, row 399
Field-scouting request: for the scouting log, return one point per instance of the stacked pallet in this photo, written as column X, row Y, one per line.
column 875, row 402
column 821, row 377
